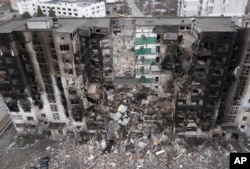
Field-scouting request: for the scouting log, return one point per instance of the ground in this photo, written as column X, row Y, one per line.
column 174, row 153
column 145, row 142
column 5, row 11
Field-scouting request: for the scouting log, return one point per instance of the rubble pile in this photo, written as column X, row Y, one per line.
column 124, row 60
column 140, row 152
column 137, row 135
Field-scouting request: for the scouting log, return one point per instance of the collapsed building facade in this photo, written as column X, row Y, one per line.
column 55, row 72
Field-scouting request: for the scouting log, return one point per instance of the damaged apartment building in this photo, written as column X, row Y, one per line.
column 54, row 72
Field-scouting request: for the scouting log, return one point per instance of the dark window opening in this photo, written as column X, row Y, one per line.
column 156, row 79
column 30, row 118
column 64, row 47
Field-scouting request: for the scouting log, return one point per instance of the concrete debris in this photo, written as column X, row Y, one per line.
column 124, row 122
column 112, row 130
column 122, row 108
column 134, row 152
column 137, row 136
column 159, row 152
column 110, row 95
column 116, row 116
column 91, row 157
column 104, row 144
column 144, row 102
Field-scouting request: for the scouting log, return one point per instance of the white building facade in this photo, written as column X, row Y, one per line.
column 64, row 8
column 188, row 7
column 211, row 7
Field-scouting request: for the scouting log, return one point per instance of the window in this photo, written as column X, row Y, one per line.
column 64, row 47
column 56, row 116
column 22, row 45
column 223, row 48
column 9, row 60
column 53, row 108
column 43, row 115
column 30, row 118
column 156, row 79
column 13, row 71
column 17, row 117
column 19, row 125
column 242, row 126
column 52, row 45
column 51, row 98
column 244, row 118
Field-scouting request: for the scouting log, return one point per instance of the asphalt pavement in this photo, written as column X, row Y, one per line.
column 135, row 11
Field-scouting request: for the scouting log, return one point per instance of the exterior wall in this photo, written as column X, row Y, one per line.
column 227, row 8
column 27, row 6
column 4, row 116
column 188, row 7
column 13, row 4
column 63, row 9
column 47, row 75
column 211, row 8
column 238, row 113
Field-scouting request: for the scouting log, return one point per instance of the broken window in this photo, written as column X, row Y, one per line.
column 218, row 72
column 57, row 69
column 182, row 27
column 16, row 82
column 220, row 60
column 156, row 79
column 53, row 107
column 116, row 30
column 242, row 126
column 74, row 101
column 9, row 60
column 182, row 102
column 97, row 30
column 225, row 90
column 215, row 83
column 211, row 104
column 244, row 118
column 213, row 94
column 60, row 131
column 31, row 126
column 203, row 59
column 30, row 118
column 19, row 125
column 158, row 49
column 64, row 47
column 157, row 59
column 51, row 98
column 72, row 92
column 52, row 45
column 223, row 48
column 67, row 60
column 56, row 116
column 49, row 89
column 13, row 71
column 22, row 45
column 28, row 67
